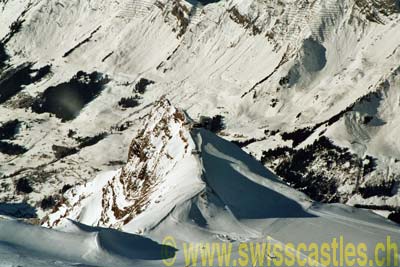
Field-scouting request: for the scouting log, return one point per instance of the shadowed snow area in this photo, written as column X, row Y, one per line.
column 17, row 210
column 87, row 246
column 230, row 173
column 121, row 243
column 67, row 99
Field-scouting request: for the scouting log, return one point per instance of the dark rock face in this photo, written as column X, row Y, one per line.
column 180, row 11
column 244, row 20
column 66, row 100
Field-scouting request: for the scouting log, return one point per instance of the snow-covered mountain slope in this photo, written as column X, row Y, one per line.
column 184, row 183
column 161, row 172
column 310, row 88
column 85, row 246
column 168, row 166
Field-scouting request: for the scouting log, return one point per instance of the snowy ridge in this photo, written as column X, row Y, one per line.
column 147, row 182
column 198, row 186
column 171, row 171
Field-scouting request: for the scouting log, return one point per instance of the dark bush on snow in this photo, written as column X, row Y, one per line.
column 14, row 80
column 23, row 186
column 395, row 217
column 90, row 140
column 141, row 86
column 65, row 188
column 11, row 149
column 3, row 55
column 62, row 151
column 214, row 124
column 298, row 136
column 384, row 189
column 9, row 129
column 129, row 102
column 48, row 203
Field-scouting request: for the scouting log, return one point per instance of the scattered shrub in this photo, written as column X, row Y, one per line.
column 62, row 151
column 71, row 133
column 296, row 167
column 129, row 102
column 47, row 203
column 16, row 79
column 395, row 217
column 298, row 136
column 9, row 129
column 3, row 55
column 11, row 149
column 384, row 189
column 23, row 186
column 91, row 140
column 141, row 86
column 65, row 188
column 214, row 124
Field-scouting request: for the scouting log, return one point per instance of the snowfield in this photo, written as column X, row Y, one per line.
column 312, row 82
column 205, row 120
column 188, row 188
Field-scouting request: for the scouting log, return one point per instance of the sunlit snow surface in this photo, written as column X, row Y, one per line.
column 215, row 193
column 311, row 61
column 246, row 201
column 301, row 64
